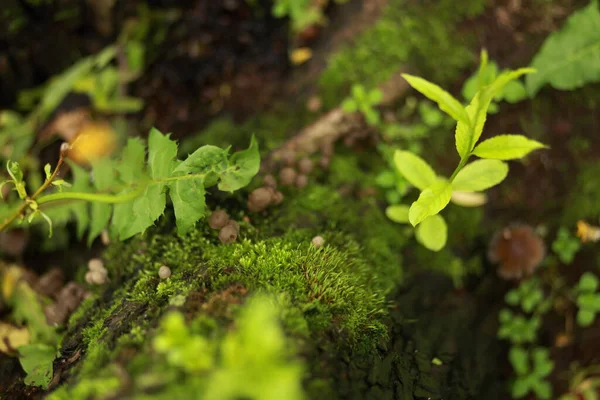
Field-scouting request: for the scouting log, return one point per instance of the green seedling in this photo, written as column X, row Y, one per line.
column 588, row 299
column 364, row 101
column 530, row 296
column 532, row 369
column 131, row 193
column 475, row 177
column 566, row 245
column 517, row 328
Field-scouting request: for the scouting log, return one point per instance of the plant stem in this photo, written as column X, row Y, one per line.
column 460, row 166
column 97, row 197
column 28, row 200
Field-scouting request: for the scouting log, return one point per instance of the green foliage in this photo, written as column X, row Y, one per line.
column 134, row 190
column 566, row 245
column 302, row 13
column 588, row 299
column 513, row 92
column 436, row 191
column 530, row 296
column 532, row 368
column 192, row 353
column 364, row 101
column 36, row 360
column 569, row 58
column 432, row 233
column 517, row 328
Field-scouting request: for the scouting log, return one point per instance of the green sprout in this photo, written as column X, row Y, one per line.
column 364, row 101
column 565, row 245
column 475, row 177
column 588, row 299
column 532, row 369
column 517, row 328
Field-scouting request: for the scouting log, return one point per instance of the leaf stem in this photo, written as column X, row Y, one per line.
column 31, row 198
column 460, row 166
column 95, row 197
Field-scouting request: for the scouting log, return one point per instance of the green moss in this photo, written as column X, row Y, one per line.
column 418, row 34
column 582, row 202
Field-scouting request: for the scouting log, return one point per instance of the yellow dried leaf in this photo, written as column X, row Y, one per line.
column 469, row 199
column 95, row 140
column 12, row 337
column 300, row 55
column 10, row 277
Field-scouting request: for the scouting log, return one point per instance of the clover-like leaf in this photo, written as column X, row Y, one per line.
column 397, row 213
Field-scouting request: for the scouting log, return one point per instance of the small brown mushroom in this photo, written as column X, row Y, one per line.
column 318, row 241
column 234, row 224
column 218, row 219
column 301, row 181
column 518, row 251
column 278, row 198
column 50, row 283
column 305, row 166
column 270, row 181
column 228, row 234
column 164, row 272
column 259, row 199
column 287, row 176
column 96, row 264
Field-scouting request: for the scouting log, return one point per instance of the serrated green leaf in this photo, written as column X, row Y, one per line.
column 81, row 183
column 188, row 203
column 161, row 153
column 204, row 160
column 143, row 212
column 432, row 233
column 431, row 201
column 397, row 213
column 445, row 100
column 507, row 147
column 414, row 169
column 36, row 360
column 244, row 165
column 104, row 178
column 132, row 165
column 480, row 175
column 570, row 57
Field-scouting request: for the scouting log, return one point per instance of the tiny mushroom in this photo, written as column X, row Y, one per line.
column 96, row 264
column 218, row 219
column 287, row 176
column 518, row 250
column 270, row 181
column 318, row 241
column 305, row 166
column 228, row 234
column 301, row 181
column 260, row 198
column 164, row 272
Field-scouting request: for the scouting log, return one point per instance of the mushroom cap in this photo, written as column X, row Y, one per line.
column 287, row 176
column 260, row 198
column 164, row 272
column 228, row 234
column 301, row 181
column 318, row 241
column 305, row 165
column 518, row 250
column 218, row 219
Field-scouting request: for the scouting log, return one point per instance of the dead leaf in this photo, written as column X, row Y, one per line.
column 12, row 337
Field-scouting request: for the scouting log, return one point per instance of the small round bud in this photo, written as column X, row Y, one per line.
column 95, row 277
column 234, row 224
column 287, row 176
column 96, row 264
column 301, row 181
column 164, row 272
column 228, row 234
column 318, row 241
column 305, row 166
column 270, row 181
column 260, row 198
column 218, row 219
column 278, row 198
column 64, row 149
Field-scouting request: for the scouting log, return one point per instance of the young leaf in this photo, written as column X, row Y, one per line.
column 161, row 153
column 467, row 134
column 480, row 175
column 432, row 233
column 243, row 166
column 131, row 168
column 569, row 58
column 81, row 179
column 445, row 100
column 431, row 201
column 507, row 147
column 104, row 178
column 414, row 169
column 397, row 213
column 36, row 360
column 204, row 160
